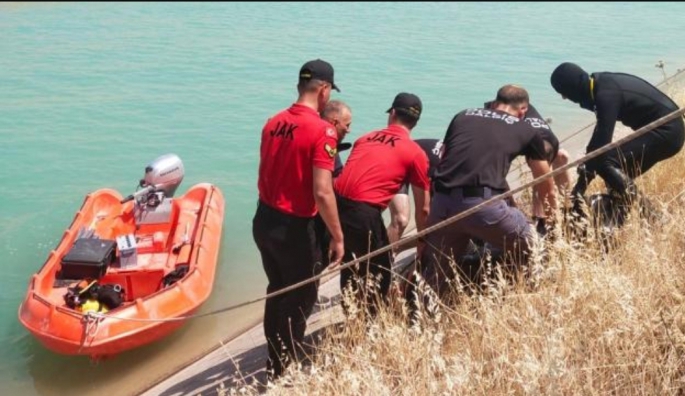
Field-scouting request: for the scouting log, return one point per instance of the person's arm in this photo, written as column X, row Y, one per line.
column 421, row 206
column 608, row 105
column 328, row 209
column 421, row 209
column 562, row 180
column 324, row 151
column 420, row 187
column 537, row 162
column 545, row 189
column 399, row 216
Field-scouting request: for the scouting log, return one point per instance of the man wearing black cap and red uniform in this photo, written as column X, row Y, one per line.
column 380, row 162
column 477, row 152
column 296, row 162
column 633, row 101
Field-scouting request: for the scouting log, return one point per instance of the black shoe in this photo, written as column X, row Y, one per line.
column 274, row 370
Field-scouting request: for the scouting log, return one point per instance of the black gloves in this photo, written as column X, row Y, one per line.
column 540, row 226
column 585, row 177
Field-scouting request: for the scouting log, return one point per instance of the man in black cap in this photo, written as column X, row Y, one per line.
column 380, row 162
column 295, row 183
column 633, row 101
column 478, row 148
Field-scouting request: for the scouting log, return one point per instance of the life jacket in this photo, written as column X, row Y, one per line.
column 89, row 295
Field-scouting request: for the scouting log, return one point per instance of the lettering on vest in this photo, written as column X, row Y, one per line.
column 383, row 138
column 537, row 123
column 283, row 130
column 485, row 113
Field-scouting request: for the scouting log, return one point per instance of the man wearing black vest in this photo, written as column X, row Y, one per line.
column 478, row 149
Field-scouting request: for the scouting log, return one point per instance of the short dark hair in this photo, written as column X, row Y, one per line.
column 406, row 119
column 310, row 85
column 512, row 95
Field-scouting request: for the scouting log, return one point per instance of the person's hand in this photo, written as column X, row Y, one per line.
column 336, row 250
column 585, row 177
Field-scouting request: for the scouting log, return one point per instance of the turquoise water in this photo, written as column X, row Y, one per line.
column 90, row 93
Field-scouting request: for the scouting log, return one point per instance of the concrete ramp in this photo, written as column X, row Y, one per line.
column 244, row 357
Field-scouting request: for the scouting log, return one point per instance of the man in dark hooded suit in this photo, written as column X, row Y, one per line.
column 633, row 101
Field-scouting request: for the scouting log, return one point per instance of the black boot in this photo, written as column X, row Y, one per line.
column 625, row 194
column 621, row 189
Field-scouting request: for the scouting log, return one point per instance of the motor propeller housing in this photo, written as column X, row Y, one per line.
column 165, row 173
column 162, row 178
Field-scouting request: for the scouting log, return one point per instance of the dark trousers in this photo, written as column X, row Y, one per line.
column 290, row 254
column 364, row 230
column 619, row 167
column 323, row 237
column 638, row 156
column 503, row 227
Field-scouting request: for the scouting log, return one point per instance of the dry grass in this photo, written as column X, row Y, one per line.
column 588, row 322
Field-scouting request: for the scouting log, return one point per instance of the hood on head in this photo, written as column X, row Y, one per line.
column 571, row 81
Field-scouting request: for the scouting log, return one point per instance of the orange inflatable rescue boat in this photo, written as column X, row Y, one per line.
column 128, row 270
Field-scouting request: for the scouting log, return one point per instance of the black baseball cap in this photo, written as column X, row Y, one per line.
column 318, row 70
column 407, row 103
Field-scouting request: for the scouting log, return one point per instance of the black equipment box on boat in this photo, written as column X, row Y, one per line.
column 88, row 258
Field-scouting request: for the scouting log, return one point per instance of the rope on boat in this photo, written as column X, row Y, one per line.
column 654, row 124
column 91, row 325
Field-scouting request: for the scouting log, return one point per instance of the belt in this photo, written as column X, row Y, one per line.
column 352, row 203
column 271, row 211
column 469, row 191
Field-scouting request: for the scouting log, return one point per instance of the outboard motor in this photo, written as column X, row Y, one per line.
column 165, row 173
column 162, row 178
column 153, row 200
